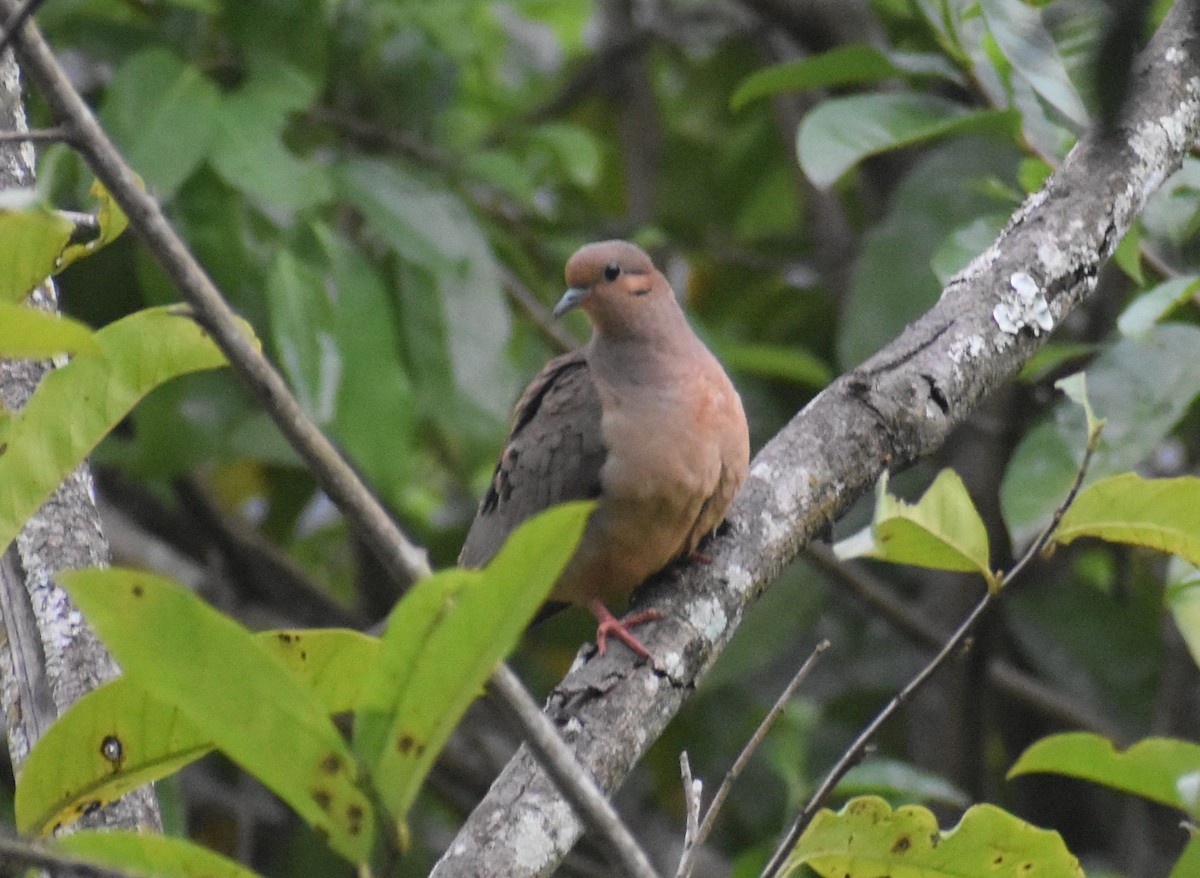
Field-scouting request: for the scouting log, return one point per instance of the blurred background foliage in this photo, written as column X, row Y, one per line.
column 388, row 190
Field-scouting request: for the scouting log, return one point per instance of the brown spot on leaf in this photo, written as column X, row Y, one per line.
column 322, row 798
column 330, row 763
column 137, row 591
column 409, row 746
column 92, row 807
column 354, row 819
column 903, row 843
column 285, row 637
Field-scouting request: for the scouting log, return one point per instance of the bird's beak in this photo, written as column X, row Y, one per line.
column 570, row 299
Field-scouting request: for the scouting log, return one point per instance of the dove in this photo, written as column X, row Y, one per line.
column 642, row 419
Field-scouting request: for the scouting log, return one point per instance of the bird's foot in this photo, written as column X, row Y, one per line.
column 619, row 628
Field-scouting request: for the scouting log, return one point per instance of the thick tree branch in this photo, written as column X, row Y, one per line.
column 896, row 407
column 48, row 657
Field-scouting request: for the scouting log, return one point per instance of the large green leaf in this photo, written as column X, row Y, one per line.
column 1140, row 386
column 1164, row 770
column 1155, row 303
column 248, row 149
column 231, row 688
column 119, row 736
column 155, row 856
column 1161, row 514
column 942, row 530
column 867, row 839
column 443, row 641
column 31, row 239
column 855, row 63
column 1028, row 46
column 455, row 316
column 156, row 99
column 76, row 406
column 841, row 132
column 28, row 333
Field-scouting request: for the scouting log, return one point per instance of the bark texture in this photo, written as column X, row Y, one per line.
column 898, row 406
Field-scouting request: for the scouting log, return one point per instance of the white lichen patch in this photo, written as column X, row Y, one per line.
column 1026, row 307
column 707, row 617
column 966, row 347
column 671, row 664
column 1054, row 261
column 532, row 844
column 739, row 579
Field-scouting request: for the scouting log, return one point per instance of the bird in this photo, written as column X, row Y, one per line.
column 642, row 419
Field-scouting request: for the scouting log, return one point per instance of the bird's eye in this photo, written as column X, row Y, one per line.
column 611, row 271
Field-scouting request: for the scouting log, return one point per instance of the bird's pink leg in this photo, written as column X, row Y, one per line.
column 619, row 628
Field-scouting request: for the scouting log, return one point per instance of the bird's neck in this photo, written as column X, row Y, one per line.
column 653, row 352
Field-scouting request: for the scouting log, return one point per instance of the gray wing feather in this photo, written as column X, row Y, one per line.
column 553, row 454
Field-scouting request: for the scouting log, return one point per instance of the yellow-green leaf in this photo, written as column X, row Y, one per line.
column 231, row 688
column 866, row 839
column 442, row 642
column 75, row 406
column 942, row 530
column 112, row 221
column 136, row 853
column 1161, row 514
column 1164, row 770
column 31, row 238
column 31, row 334
column 119, row 736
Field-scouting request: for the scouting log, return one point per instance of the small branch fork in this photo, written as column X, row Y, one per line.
column 698, row 829
column 854, row 753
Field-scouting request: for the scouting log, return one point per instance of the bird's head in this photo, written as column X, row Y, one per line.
column 618, row 287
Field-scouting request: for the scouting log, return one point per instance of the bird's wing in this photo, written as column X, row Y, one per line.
column 553, row 454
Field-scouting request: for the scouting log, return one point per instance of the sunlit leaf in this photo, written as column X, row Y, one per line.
column 109, row 217
column 231, row 688
column 867, row 839
column 118, row 736
column 443, row 641
column 1164, row 770
column 29, row 333
column 31, row 238
column 77, row 405
column 158, row 856
column 1162, row 514
column 942, row 530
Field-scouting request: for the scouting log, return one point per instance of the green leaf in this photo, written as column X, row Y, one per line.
column 112, row 222
column 1074, row 387
column 867, row 839
column 964, row 244
column 1164, row 770
column 1128, row 255
column 78, row 405
column 248, row 149
column 449, row 282
column 112, row 740
column 29, row 333
column 775, row 361
column 856, row 63
column 301, row 319
column 1032, row 174
column 156, row 99
column 1025, row 42
column 1162, row 514
column 1183, row 600
column 1140, row 386
column 841, row 132
column 31, row 239
column 1052, row 357
column 1188, row 863
column 1156, row 303
column 140, row 853
column 119, row 736
column 896, row 780
column 443, row 641
column 574, row 148
column 231, row 688
column 942, row 530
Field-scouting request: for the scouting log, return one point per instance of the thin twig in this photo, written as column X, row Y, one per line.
column 524, row 298
column 57, row 134
column 402, row 560
column 18, row 18
column 1054, row 703
column 571, row 779
column 710, row 816
column 855, row 751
